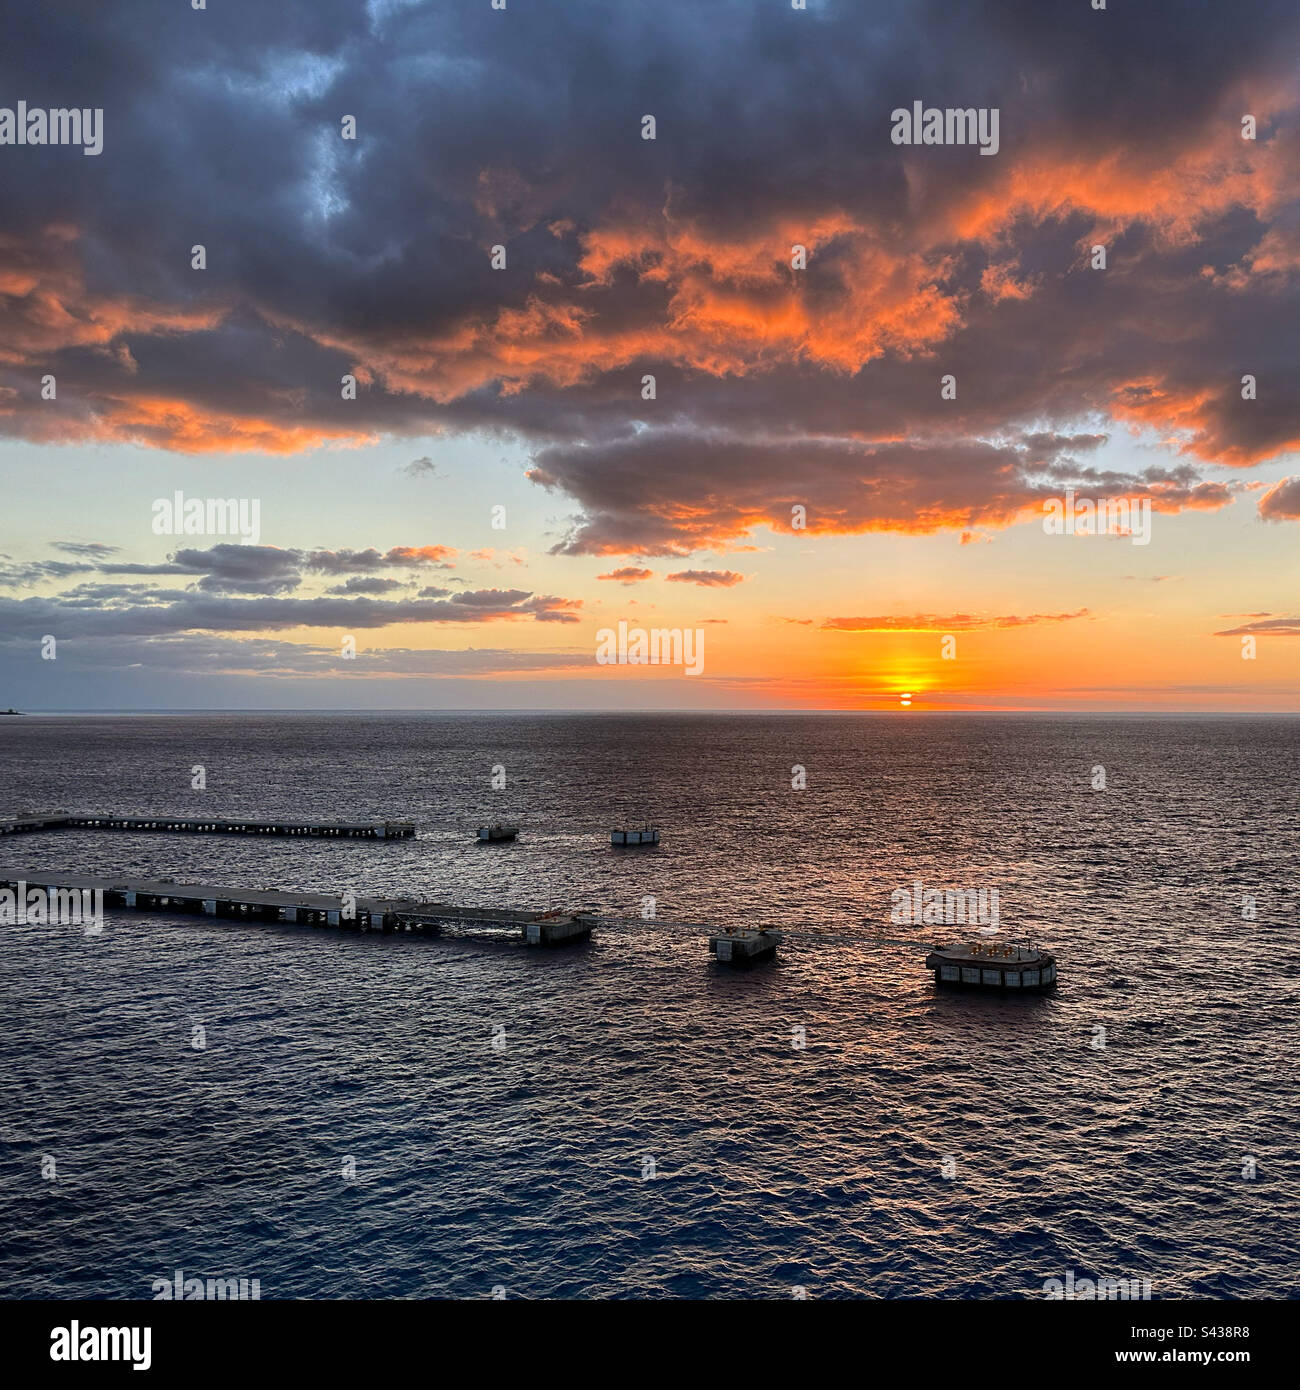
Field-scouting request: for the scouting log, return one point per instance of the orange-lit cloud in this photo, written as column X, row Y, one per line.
column 783, row 305
column 955, row 622
column 708, row 579
column 1282, row 501
column 628, row 574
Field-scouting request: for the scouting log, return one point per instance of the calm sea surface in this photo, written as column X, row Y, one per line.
column 775, row 1167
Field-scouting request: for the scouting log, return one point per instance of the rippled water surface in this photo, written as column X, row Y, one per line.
column 775, row 1167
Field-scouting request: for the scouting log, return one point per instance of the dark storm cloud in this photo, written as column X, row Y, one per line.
column 671, row 257
column 661, row 495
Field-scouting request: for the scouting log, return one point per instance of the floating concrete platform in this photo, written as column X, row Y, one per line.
column 631, row 839
column 557, row 927
column 981, row 965
column 213, row 825
column 745, row 945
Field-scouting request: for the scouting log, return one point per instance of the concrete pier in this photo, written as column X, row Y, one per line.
column 24, row 824
column 554, row 928
column 213, row 825
column 745, row 945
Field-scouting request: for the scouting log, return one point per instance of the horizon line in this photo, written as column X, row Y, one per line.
column 908, row 712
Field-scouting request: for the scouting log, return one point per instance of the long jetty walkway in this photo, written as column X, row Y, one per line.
column 558, row 927
column 212, row 825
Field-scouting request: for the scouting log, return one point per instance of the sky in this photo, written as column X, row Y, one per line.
column 770, row 379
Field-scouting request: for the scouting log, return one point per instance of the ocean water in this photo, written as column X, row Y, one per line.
column 645, row 1125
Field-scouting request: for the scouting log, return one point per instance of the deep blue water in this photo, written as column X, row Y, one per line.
column 775, row 1167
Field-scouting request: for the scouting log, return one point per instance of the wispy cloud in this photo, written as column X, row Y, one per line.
column 628, row 574
column 1270, row 627
column 707, row 579
column 953, row 622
